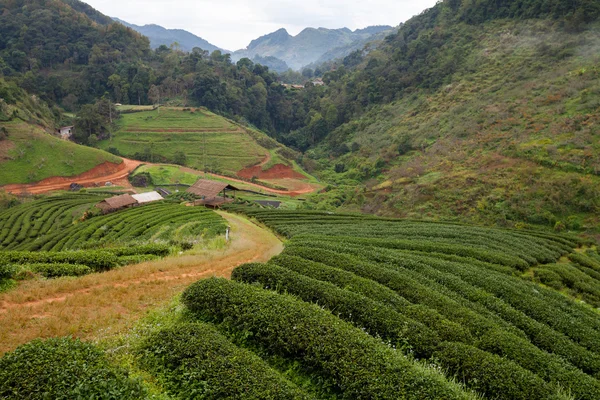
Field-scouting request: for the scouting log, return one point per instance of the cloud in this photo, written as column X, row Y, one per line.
column 232, row 24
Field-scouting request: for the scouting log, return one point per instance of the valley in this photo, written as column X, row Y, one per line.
column 406, row 213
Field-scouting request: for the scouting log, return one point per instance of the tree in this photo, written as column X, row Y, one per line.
column 179, row 158
column 154, row 94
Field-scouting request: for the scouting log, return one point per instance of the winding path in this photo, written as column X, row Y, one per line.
column 106, row 303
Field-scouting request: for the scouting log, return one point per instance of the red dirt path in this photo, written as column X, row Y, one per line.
column 97, row 176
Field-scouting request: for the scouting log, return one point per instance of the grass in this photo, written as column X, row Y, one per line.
column 31, row 155
column 158, row 135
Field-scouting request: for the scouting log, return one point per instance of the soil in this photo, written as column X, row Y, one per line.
column 277, row 171
column 97, row 176
column 107, row 303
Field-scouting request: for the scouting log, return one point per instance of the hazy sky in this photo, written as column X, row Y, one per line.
column 232, row 24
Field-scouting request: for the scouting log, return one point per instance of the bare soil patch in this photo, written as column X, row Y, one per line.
column 278, row 171
column 97, row 176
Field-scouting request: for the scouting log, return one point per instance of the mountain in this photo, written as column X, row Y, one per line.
column 308, row 46
column 484, row 113
column 161, row 36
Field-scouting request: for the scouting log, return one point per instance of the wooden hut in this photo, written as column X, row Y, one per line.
column 212, row 193
column 116, row 203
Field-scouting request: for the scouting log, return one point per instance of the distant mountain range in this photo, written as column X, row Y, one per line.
column 310, row 45
column 278, row 50
column 162, row 36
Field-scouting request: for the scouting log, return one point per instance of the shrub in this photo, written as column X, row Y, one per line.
column 195, row 361
column 350, row 361
column 57, row 270
column 547, row 366
column 490, row 374
column 377, row 319
column 64, row 368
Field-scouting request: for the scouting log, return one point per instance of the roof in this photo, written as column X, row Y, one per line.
column 208, row 188
column 147, row 197
column 67, row 127
column 268, row 203
column 123, row 200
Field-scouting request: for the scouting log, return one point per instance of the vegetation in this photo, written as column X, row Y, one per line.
column 195, row 138
column 58, row 227
column 192, row 360
column 38, row 238
column 424, row 278
column 64, row 368
column 33, row 155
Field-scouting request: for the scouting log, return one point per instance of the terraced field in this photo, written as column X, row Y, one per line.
column 206, row 139
column 41, row 236
column 359, row 307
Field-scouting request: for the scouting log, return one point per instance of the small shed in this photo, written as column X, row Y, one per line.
column 117, row 203
column 66, row 132
column 149, row 197
column 208, row 190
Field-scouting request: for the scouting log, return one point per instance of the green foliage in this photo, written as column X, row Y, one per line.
column 492, row 375
column 535, row 337
column 35, row 155
column 53, row 270
column 65, row 223
column 194, row 361
column 377, row 319
column 64, row 368
column 354, row 364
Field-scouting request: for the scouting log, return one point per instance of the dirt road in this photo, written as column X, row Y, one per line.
column 105, row 303
column 106, row 172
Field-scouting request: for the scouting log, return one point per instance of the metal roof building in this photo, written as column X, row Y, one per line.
column 149, row 197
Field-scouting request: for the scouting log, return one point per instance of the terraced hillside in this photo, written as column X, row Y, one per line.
column 66, row 235
column 194, row 137
column 363, row 307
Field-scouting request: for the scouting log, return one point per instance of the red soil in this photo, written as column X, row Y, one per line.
column 97, row 176
column 278, row 171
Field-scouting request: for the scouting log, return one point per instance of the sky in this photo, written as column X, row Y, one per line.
column 232, row 24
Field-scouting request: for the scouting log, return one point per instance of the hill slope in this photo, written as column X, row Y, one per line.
column 489, row 120
column 29, row 152
column 306, row 47
column 162, row 36
column 196, row 138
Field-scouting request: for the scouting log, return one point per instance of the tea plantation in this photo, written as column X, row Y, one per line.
column 67, row 235
column 360, row 307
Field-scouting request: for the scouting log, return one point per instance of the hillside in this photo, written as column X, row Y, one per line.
column 496, row 127
column 29, row 150
column 160, row 36
column 65, row 54
column 354, row 306
column 308, row 46
column 195, row 138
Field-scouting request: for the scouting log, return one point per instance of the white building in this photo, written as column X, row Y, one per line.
column 149, row 197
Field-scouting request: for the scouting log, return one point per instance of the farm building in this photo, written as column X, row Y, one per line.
column 149, row 197
column 117, row 203
column 212, row 193
column 66, row 132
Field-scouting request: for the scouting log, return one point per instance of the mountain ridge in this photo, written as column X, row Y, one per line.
column 308, row 46
column 160, row 35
